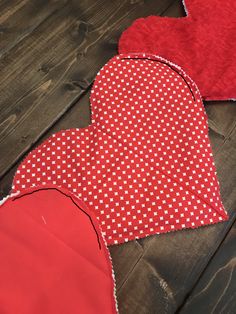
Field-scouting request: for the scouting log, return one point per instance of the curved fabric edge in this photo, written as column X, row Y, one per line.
column 81, row 205
column 152, row 57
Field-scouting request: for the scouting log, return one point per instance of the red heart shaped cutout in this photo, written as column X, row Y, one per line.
column 53, row 257
column 203, row 43
column 144, row 165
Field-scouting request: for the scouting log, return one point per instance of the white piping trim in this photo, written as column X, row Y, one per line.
column 185, row 7
column 4, row 199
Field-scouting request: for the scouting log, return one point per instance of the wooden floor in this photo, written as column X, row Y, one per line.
column 50, row 52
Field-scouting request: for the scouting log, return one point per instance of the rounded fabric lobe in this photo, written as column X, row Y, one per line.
column 53, row 256
column 144, row 165
column 203, row 43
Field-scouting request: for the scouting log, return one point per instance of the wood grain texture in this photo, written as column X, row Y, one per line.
column 156, row 274
column 77, row 116
column 46, row 72
column 20, row 18
column 215, row 292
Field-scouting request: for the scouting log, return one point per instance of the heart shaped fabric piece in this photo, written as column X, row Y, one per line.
column 203, row 43
column 144, row 165
column 53, row 256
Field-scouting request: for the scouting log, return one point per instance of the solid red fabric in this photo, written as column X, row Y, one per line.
column 144, row 165
column 203, row 43
column 53, row 257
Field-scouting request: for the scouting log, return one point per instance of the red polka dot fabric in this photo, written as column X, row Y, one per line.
column 144, row 165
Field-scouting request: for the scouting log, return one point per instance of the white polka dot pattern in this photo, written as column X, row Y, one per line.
column 145, row 163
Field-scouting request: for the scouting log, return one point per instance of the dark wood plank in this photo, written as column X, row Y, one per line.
column 175, row 9
column 19, row 18
column 47, row 71
column 215, row 292
column 221, row 120
column 77, row 116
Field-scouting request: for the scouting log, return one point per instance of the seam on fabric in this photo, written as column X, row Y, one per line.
column 170, row 66
column 70, row 197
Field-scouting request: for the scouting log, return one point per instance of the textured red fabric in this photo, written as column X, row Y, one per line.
column 144, row 165
column 53, row 257
column 203, row 43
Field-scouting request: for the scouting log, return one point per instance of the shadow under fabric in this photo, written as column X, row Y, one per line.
column 144, row 166
column 203, row 43
column 53, row 256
